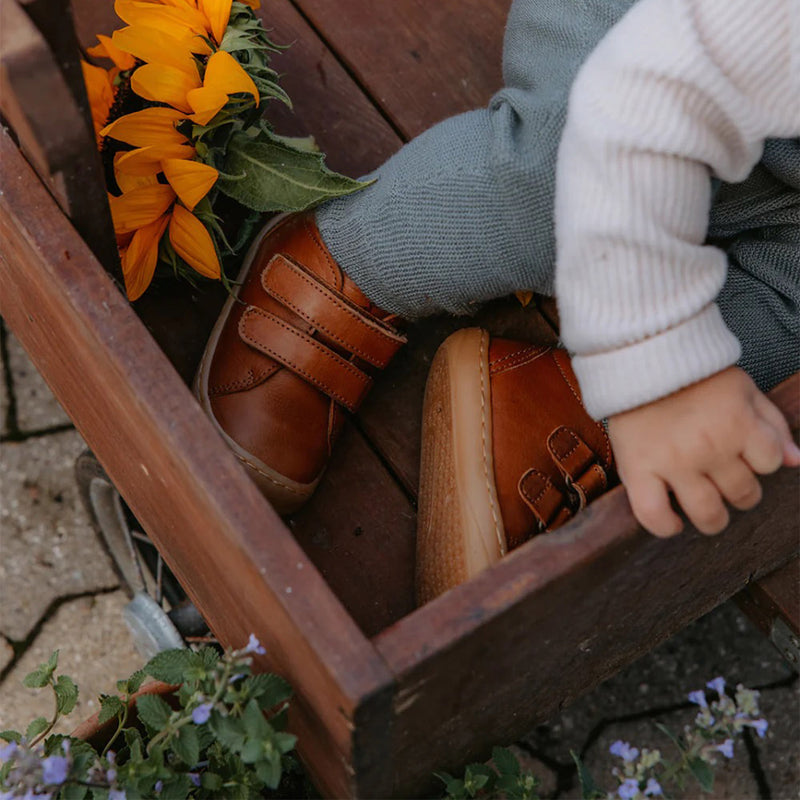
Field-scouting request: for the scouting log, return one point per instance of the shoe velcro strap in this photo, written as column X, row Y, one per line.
column 544, row 499
column 578, row 463
column 330, row 312
column 310, row 359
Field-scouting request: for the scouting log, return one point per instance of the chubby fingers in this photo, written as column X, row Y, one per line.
column 649, row 499
column 772, row 416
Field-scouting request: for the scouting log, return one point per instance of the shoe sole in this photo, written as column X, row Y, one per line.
column 460, row 529
column 285, row 495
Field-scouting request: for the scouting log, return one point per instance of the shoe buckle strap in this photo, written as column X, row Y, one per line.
column 579, row 465
column 305, row 356
column 544, row 499
column 330, row 312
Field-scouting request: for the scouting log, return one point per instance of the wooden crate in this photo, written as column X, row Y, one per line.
column 385, row 693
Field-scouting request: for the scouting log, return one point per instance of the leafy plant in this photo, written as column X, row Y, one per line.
column 221, row 732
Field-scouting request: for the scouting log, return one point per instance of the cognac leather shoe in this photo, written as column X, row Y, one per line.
column 290, row 353
column 508, row 451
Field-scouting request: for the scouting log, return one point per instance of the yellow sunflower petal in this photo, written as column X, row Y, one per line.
column 206, row 103
column 164, row 84
column 140, row 207
column 217, row 12
column 140, row 259
column 129, row 180
column 179, row 21
column 224, row 73
column 107, row 49
column 155, row 47
column 100, row 92
column 147, row 160
column 524, row 296
column 151, row 126
column 193, row 242
column 191, row 180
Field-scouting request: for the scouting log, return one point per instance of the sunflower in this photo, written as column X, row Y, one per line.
column 185, row 90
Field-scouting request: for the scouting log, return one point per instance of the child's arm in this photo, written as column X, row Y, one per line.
column 678, row 90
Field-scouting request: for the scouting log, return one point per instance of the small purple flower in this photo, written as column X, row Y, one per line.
column 236, row 677
column 65, row 746
column 628, row 789
column 699, row 698
column 760, row 727
column 111, row 757
column 718, row 685
column 158, row 787
column 726, row 748
column 111, row 775
column 653, row 788
column 254, row 646
column 202, row 713
column 54, row 770
column 117, row 794
column 194, row 778
column 624, row 751
column 7, row 752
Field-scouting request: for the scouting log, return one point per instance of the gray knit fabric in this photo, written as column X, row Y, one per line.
column 464, row 212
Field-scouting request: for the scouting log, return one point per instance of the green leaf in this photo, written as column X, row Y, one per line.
column 211, row 781
column 229, row 732
column 269, row 689
column 702, row 772
column 454, row 786
column 39, row 725
column 153, row 711
column 176, row 787
column 269, row 175
column 135, row 743
column 285, row 742
column 170, row 666
column 135, row 681
column 270, row 772
column 186, row 745
column 110, row 707
column 73, row 791
column 505, row 761
column 41, row 676
column 66, row 694
column 255, row 725
column 671, row 736
column 589, row 790
column 11, row 736
column 252, row 751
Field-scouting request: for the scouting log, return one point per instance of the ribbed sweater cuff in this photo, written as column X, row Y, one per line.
column 622, row 379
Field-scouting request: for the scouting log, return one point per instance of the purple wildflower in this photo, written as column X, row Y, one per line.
column 699, row 698
column 202, row 713
column 117, row 794
column 7, row 752
column 718, row 685
column 254, row 646
column 238, row 676
column 628, row 789
column 111, row 775
column 194, row 778
column 158, row 787
column 54, row 770
column 653, row 788
column 111, row 756
column 726, row 748
column 760, row 727
column 624, row 751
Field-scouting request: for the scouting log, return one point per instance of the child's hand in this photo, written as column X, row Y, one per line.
column 705, row 443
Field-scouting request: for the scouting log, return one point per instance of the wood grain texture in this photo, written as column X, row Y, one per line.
column 484, row 662
column 421, row 61
column 237, row 561
column 775, row 596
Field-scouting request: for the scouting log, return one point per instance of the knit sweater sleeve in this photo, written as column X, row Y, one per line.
column 678, row 90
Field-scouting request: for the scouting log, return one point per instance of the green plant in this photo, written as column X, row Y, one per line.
column 221, row 734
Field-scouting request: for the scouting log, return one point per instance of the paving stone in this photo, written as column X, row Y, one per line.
column 6, row 653
column 37, row 407
column 47, row 547
column 95, row 649
column 624, row 707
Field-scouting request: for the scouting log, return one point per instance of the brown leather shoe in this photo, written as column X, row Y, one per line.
column 288, row 356
column 508, row 451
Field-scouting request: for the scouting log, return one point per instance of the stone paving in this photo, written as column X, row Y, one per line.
column 58, row 591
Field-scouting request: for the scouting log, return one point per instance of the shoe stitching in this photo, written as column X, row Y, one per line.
column 608, row 454
column 371, row 359
column 360, row 376
column 523, row 357
column 573, row 439
column 313, row 232
column 500, row 542
column 261, row 472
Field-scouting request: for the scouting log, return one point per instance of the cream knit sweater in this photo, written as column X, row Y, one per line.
column 678, row 91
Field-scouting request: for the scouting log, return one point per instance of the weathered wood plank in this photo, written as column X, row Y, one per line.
column 237, row 561
column 482, row 663
column 421, row 61
column 774, row 597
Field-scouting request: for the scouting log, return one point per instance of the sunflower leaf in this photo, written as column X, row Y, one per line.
column 271, row 175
